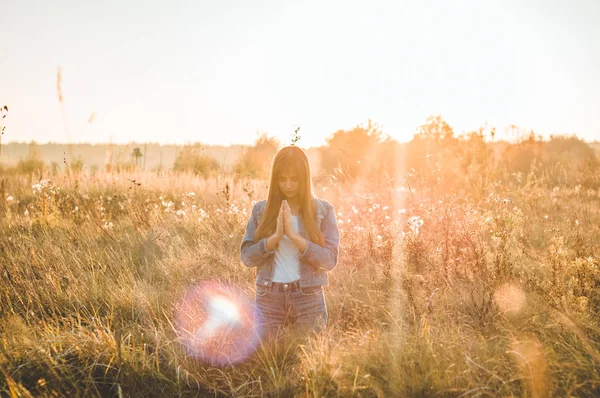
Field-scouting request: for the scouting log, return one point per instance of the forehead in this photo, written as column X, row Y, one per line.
column 288, row 173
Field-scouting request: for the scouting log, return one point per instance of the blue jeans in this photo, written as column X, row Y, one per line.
column 287, row 304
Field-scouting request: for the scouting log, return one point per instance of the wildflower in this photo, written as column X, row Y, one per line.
column 190, row 194
column 10, row 198
column 546, row 217
column 341, row 222
column 340, row 213
column 414, row 223
column 576, row 222
column 385, row 207
column 387, row 217
column 354, row 210
column 108, row 225
column 26, row 213
column 402, row 211
column 180, row 213
column 376, row 205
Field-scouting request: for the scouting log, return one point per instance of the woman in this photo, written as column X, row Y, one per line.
column 293, row 240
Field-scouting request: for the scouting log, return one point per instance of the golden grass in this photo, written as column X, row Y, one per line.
column 434, row 295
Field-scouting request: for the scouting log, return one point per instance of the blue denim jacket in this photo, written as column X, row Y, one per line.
column 315, row 261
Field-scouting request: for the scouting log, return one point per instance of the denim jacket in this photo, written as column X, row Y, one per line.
column 315, row 261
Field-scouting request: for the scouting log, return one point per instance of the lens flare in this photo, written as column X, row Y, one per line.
column 214, row 322
column 510, row 299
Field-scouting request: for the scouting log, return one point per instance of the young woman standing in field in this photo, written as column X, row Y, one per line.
column 293, row 240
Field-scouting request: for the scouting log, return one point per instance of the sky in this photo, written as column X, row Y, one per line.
column 220, row 72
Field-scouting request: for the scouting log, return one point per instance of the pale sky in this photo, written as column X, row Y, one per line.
column 217, row 72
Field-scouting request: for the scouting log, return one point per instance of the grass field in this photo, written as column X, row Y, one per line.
column 460, row 294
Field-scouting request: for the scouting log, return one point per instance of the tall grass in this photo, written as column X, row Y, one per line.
column 435, row 294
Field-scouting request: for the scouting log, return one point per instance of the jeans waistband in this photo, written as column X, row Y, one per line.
column 286, row 286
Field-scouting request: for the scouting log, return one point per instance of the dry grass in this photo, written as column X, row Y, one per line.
column 435, row 294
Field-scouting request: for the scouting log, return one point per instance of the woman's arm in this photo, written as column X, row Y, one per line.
column 324, row 257
column 254, row 253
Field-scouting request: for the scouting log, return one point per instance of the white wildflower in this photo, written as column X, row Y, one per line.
column 414, row 223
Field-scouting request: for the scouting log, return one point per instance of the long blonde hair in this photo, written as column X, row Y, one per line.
column 291, row 158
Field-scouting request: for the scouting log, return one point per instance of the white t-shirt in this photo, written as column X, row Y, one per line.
column 287, row 263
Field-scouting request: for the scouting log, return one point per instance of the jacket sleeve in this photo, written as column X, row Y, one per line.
column 324, row 257
column 253, row 253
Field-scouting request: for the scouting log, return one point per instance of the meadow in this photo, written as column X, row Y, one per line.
column 438, row 292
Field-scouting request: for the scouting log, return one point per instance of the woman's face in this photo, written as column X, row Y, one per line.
column 289, row 184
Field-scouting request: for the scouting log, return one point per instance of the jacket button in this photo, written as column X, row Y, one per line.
column 266, row 283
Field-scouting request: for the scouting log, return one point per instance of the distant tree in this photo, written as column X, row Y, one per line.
column 560, row 160
column 256, row 160
column 136, row 155
column 350, row 154
column 433, row 156
column 191, row 158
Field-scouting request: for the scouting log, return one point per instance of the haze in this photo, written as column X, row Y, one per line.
column 219, row 72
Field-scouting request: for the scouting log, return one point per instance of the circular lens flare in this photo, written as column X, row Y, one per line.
column 214, row 321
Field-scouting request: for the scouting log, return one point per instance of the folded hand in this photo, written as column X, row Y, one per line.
column 288, row 225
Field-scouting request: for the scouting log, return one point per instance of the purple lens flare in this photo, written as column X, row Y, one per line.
column 215, row 323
